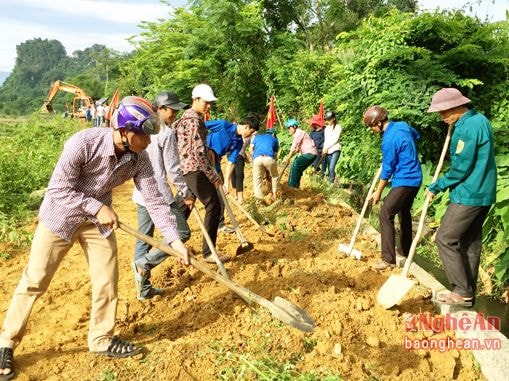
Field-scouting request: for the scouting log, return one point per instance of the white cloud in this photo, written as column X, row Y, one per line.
column 105, row 19
column 118, row 12
column 107, row 15
column 492, row 10
column 71, row 40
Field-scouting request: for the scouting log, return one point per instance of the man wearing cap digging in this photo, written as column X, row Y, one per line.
column 402, row 169
column 472, row 182
column 163, row 154
column 198, row 172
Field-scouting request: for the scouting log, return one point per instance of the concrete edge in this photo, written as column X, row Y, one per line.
column 494, row 363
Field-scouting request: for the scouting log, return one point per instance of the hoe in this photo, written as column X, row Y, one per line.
column 349, row 250
column 281, row 309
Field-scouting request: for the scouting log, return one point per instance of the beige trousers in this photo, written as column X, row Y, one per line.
column 260, row 165
column 46, row 253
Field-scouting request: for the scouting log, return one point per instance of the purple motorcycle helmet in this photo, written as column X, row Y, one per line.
column 137, row 115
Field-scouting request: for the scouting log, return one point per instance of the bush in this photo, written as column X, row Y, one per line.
column 29, row 151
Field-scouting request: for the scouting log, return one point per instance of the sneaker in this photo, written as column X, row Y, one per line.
column 153, row 291
column 382, row 265
column 225, row 229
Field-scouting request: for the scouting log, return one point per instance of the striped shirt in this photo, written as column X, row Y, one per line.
column 303, row 143
column 192, row 145
column 84, row 178
column 164, row 156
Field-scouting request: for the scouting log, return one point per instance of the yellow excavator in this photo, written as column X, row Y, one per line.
column 80, row 102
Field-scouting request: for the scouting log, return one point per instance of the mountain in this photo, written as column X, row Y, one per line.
column 3, row 76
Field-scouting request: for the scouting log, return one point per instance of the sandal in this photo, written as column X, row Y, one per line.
column 6, row 362
column 120, row 348
column 454, row 299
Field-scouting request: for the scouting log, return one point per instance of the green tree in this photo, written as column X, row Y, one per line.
column 41, row 62
column 37, row 62
column 221, row 43
column 317, row 22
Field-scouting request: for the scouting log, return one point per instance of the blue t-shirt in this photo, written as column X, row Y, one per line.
column 223, row 138
column 399, row 155
column 265, row 144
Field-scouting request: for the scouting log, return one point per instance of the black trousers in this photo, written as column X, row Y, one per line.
column 238, row 174
column 221, row 201
column 399, row 201
column 206, row 192
column 459, row 241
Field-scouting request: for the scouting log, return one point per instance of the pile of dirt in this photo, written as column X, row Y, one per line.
column 199, row 330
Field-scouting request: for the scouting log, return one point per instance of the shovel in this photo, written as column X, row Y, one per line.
column 212, row 248
column 283, row 170
column 281, row 309
column 349, row 250
column 250, row 217
column 397, row 286
column 244, row 245
column 318, row 164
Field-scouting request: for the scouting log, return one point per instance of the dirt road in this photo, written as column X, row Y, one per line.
column 198, row 330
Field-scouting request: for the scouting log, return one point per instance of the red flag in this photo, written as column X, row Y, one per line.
column 113, row 104
column 321, row 112
column 271, row 114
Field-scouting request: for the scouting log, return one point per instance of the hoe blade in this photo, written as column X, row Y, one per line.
column 244, row 247
column 293, row 315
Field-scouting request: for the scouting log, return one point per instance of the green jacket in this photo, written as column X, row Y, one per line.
column 472, row 177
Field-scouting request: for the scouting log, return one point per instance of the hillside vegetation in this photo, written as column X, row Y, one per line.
column 301, row 51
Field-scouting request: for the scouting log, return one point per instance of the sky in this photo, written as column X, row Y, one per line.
column 78, row 24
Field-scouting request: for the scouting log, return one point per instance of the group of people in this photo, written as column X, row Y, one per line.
column 321, row 147
column 147, row 144
column 96, row 113
column 471, row 181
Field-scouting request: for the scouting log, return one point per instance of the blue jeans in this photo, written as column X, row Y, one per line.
column 330, row 162
column 146, row 257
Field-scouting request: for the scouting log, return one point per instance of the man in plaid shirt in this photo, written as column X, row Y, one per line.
column 77, row 207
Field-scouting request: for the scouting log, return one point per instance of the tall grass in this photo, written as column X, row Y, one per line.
column 29, row 150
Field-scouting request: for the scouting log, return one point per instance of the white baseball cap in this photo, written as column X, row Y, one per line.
column 205, row 92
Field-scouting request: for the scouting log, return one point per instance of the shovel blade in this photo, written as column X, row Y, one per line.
column 244, row 247
column 349, row 250
column 342, row 248
column 394, row 290
column 356, row 253
column 293, row 315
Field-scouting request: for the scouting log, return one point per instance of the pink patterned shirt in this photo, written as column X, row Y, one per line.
column 303, row 143
column 84, row 178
